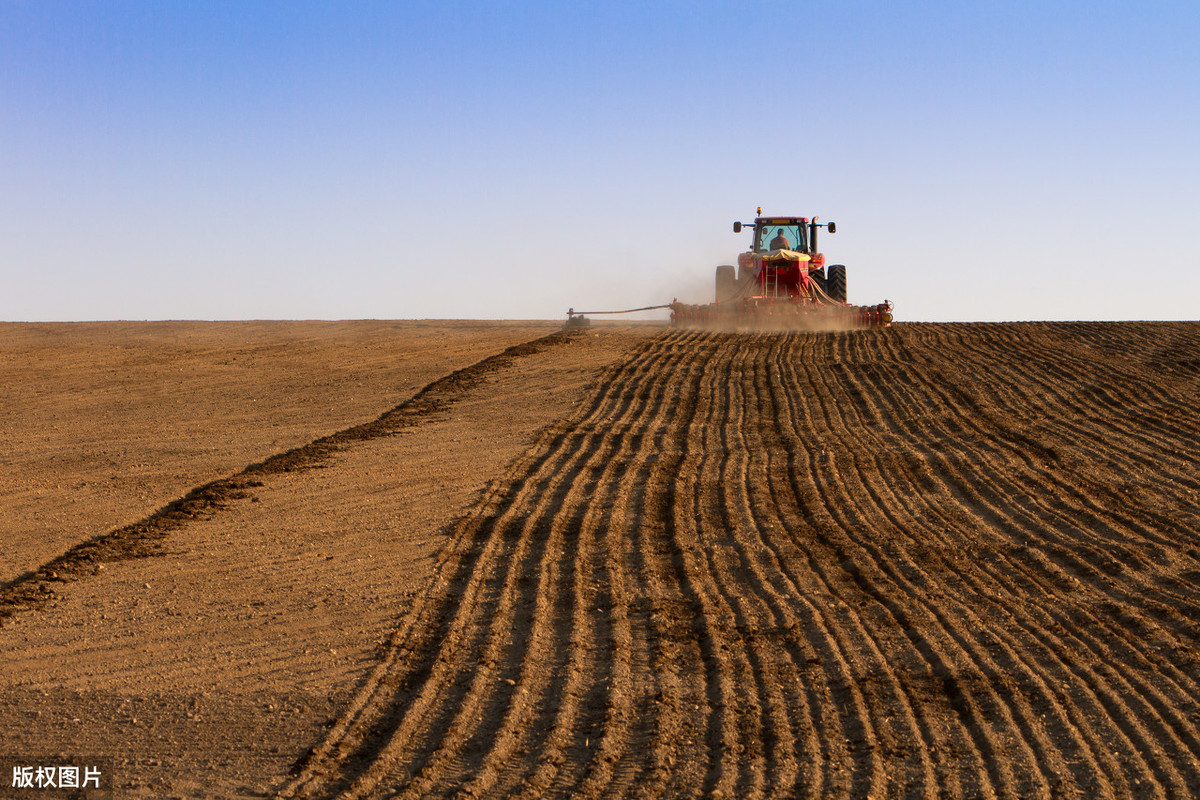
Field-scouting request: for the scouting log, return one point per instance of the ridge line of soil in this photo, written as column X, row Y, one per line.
column 808, row 565
column 401, row 696
column 141, row 539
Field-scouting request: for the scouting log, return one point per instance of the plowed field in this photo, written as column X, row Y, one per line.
column 931, row 561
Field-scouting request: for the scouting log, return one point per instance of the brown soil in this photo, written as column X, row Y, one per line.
column 935, row 560
column 209, row 669
column 103, row 423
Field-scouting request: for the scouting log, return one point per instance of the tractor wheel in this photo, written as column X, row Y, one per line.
column 835, row 282
column 817, row 276
column 726, row 283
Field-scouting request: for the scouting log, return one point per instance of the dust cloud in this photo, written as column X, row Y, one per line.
column 811, row 322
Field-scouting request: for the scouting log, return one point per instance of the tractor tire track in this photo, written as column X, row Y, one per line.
column 896, row 563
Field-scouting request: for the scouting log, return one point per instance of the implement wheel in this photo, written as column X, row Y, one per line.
column 835, row 282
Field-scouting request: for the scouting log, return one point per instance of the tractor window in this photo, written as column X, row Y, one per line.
column 769, row 237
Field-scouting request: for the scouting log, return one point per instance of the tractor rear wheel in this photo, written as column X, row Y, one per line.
column 726, row 283
column 835, row 282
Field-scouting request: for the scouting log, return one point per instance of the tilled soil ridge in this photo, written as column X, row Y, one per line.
column 143, row 538
column 208, row 669
column 931, row 561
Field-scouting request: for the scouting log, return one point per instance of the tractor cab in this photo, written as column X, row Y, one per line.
column 781, row 234
column 770, row 233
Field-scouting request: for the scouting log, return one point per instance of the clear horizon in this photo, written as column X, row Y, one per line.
column 226, row 160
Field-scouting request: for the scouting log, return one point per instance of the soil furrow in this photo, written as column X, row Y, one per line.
column 1095, row 420
column 860, row 648
column 792, row 723
column 416, row 649
column 1021, row 520
column 538, row 515
column 851, row 565
column 893, row 497
column 759, row 717
column 986, row 713
column 1133, row 720
column 593, row 504
column 659, row 769
column 555, row 637
column 702, row 615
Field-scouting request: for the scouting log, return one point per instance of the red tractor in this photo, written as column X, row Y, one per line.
column 782, row 281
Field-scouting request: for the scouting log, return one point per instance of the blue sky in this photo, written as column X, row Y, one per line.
column 232, row 160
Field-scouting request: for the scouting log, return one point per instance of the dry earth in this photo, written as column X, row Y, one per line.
column 930, row 561
column 102, row 423
column 209, row 669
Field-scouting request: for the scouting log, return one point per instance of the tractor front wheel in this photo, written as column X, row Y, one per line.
column 835, row 282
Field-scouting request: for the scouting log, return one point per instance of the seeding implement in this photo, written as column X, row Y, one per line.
column 782, row 281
